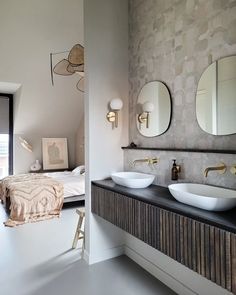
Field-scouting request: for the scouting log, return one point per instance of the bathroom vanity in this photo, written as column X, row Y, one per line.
column 201, row 240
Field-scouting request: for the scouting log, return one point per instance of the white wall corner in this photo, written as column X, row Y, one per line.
column 104, row 254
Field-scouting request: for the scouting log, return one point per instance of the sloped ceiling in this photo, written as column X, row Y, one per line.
column 30, row 30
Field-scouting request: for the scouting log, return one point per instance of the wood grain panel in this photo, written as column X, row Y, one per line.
column 194, row 252
column 228, row 261
column 233, row 254
column 217, row 255
column 222, row 259
column 202, row 237
column 171, row 235
column 198, row 248
column 186, row 249
column 205, row 249
column 177, row 229
column 181, row 232
column 189, row 242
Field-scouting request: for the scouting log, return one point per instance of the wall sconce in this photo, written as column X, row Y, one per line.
column 25, row 144
column 147, row 107
column 116, row 105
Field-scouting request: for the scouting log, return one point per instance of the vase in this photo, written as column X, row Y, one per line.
column 36, row 166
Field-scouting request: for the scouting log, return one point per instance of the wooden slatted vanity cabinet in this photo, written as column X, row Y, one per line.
column 201, row 240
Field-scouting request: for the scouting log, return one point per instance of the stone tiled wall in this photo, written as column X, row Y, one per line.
column 192, row 167
column 174, row 41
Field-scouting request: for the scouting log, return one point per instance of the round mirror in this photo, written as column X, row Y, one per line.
column 153, row 109
column 216, row 97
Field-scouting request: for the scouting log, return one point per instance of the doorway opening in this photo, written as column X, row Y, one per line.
column 6, row 135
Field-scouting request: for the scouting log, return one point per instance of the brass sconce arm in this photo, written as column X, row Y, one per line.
column 144, row 117
column 116, row 104
column 112, row 117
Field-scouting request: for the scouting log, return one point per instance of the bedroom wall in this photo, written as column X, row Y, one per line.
column 80, row 153
column 29, row 31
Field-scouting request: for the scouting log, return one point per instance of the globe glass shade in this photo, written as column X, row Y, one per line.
column 148, row 107
column 116, row 104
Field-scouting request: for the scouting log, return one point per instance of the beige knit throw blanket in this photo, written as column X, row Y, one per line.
column 33, row 197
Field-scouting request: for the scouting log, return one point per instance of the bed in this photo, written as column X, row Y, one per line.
column 74, row 184
column 37, row 196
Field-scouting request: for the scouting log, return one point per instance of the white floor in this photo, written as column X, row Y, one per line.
column 37, row 259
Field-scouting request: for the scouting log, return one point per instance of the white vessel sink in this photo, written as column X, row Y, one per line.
column 133, row 179
column 203, row 196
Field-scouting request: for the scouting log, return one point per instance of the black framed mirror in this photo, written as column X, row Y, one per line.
column 153, row 112
column 216, row 97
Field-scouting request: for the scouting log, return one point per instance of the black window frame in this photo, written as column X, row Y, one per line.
column 11, row 130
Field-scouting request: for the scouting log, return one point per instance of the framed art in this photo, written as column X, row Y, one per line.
column 55, row 153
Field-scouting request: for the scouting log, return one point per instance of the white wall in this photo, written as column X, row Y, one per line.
column 29, row 31
column 106, row 49
column 80, row 156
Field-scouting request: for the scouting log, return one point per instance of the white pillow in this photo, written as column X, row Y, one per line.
column 78, row 170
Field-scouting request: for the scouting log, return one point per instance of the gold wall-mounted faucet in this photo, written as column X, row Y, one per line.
column 148, row 161
column 221, row 168
column 233, row 169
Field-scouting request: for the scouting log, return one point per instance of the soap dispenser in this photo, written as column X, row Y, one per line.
column 174, row 171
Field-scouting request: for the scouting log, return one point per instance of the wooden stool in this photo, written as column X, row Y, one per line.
column 79, row 234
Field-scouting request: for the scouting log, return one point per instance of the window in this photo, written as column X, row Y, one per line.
column 6, row 135
column 4, row 155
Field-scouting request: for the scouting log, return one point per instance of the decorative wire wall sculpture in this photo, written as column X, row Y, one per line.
column 73, row 64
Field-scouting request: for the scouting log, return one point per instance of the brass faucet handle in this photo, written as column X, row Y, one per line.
column 178, row 167
column 153, row 160
column 222, row 168
column 233, row 169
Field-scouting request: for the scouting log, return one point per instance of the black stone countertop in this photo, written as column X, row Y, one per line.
column 161, row 197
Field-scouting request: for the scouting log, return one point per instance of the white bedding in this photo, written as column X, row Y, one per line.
column 74, row 185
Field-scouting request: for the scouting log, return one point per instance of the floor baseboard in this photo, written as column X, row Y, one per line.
column 104, row 255
column 158, row 273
